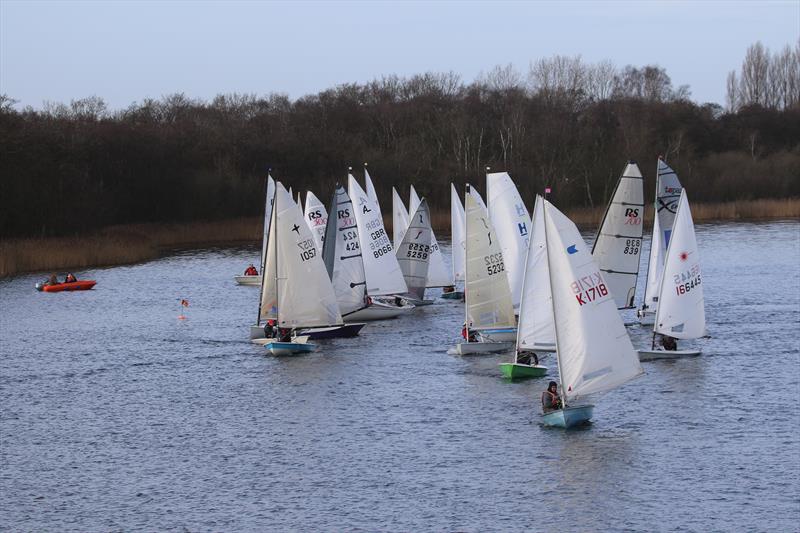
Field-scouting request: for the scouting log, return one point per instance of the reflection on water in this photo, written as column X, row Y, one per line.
column 116, row 415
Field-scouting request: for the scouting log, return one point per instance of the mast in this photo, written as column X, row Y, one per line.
column 263, row 254
column 661, row 283
column 553, row 305
column 277, row 266
column 522, row 294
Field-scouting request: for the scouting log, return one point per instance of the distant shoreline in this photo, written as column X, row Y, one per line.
column 122, row 245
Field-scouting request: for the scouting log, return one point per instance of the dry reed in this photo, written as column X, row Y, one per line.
column 118, row 245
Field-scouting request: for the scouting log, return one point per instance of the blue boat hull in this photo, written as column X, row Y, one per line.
column 289, row 348
column 569, row 417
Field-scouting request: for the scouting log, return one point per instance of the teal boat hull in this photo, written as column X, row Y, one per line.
column 519, row 371
column 569, row 417
column 289, row 348
column 456, row 295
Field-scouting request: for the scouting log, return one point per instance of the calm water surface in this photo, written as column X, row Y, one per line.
column 117, row 416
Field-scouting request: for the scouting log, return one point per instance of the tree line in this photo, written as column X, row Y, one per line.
column 572, row 125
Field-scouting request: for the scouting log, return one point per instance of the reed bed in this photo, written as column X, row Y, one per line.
column 119, row 245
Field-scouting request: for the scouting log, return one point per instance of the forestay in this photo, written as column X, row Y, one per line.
column 380, row 263
column 316, row 218
column 414, row 253
column 342, row 254
column 681, row 307
column 297, row 290
column 458, row 230
column 399, row 218
column 619, row 239
column 488, row 299
column 438, row 274
column 594, row 351
column 512, row 222
column 535, row 329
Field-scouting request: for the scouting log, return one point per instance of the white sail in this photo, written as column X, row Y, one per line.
column 668, row 192
column 512, row 222
column 655, row 266
column 459, row 235
column 267, row 217
column 619, row 239
column 594, row 351
column 298, row 292
column 316, row 218
column 371, row 192
column 414, row 253
column 380, row 263
column 399, row 218
column 681, row 308
column 438, row 273
column 535, row 329
column 342, row 254
column 477, row 196
column 488, row 299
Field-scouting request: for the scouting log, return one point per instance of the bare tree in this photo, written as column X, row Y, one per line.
column 755, row 71
column 732, row 93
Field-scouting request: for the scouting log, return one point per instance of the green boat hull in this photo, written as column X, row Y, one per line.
column 517, row 371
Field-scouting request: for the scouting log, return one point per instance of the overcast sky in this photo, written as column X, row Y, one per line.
column 127, row 51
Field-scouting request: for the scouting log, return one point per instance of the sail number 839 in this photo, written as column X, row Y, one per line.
column 632, row 246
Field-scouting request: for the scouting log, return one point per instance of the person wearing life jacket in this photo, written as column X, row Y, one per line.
column 269, row 329
column 52, row 280
column 551, row 401
column 70, row 278
column 470, row 335
column 528, row 358
column 284, row 335
column 669, row 344
column 251, row 271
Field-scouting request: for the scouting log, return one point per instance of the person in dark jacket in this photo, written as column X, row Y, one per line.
column 551, row 401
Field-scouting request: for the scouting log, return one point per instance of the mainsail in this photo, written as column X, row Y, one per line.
column 459, row 236
column 399, row 218
column 488, row 299
column 371, row 192
column 594, row 351
column 414, row 253
column 438, row 274
column 316, row 218
column 681, row 307
column 619, row 239
column 535, row 329
column 512, row 222
column 297, row 291
column 380, row 263
column 342, row 254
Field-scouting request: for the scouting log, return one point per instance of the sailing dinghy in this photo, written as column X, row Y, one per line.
column 619, row 239
column 438, row 273
column 297, row 292
column 269, row 197
column 535, row 329
column 593, row 349
column 668, row 192
column 681, row 305
column 487, row 302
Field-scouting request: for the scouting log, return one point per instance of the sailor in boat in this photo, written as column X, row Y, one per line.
column 551, row 401
column 70, row 278
column 251, row 271
column 473, row 335
column 52, row 280
column 669, row 344
column 269, row 329
column 284, row 335
column 448, row 289
column 528, row 358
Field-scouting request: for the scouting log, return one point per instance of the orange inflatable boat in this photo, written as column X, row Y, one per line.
column 81, row 285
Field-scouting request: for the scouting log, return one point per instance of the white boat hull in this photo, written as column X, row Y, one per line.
column 498, row 335
column 253, row 281
column 652, row 355
column 478, row 348
column 300, row 339
column 377, row 311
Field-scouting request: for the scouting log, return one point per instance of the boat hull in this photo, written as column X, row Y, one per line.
column 520, row 371
column 300, row 339
column 569, row 417
column 478, row 348
column 83, row 285
column 653, row 355
column 253, row 281
column 378, row 311
column 289, row 348
column 456, row 295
